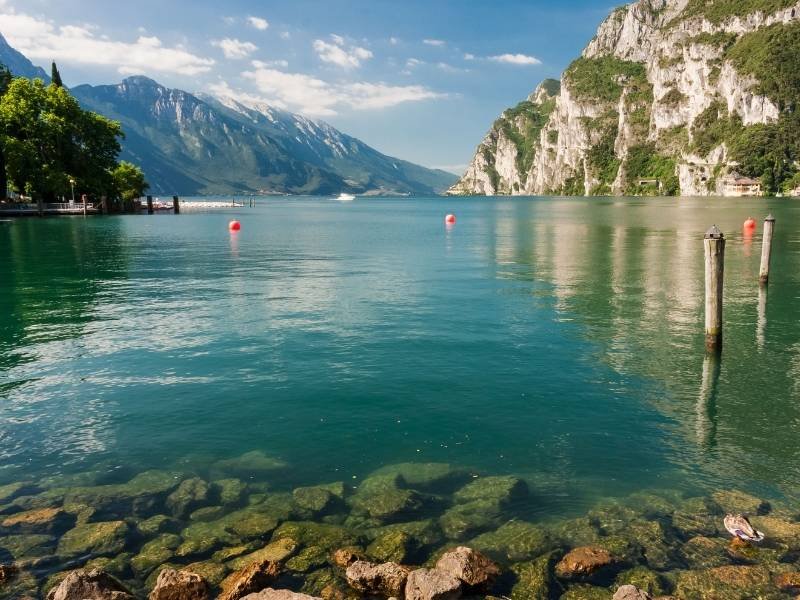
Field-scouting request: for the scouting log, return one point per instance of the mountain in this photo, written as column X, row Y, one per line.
column 19, row 64
column 671, row 96
column 196, row 144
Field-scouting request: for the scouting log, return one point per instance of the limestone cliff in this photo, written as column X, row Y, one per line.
column 670, row 97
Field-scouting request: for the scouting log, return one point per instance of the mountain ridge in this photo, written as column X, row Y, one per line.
column 191, row 144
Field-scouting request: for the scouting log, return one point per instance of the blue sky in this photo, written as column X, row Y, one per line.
column 421, row 80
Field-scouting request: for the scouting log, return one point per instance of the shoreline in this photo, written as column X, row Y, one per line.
column 408, row 514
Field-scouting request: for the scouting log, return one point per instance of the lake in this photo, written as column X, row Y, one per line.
column 559, row 340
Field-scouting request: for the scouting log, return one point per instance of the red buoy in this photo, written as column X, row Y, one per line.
column 750, row 224
column 234, row 225
column 450, row 219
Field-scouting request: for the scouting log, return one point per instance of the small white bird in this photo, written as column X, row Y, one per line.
column 739, row 526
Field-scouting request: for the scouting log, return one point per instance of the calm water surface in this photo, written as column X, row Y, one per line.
column 558, row 339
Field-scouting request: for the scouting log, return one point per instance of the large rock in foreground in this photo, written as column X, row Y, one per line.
column 179, row 585
column 251, row 579
column 270, row 594
column 432, row 584
column 388, row 579
column 469, row 566
column 89, row 585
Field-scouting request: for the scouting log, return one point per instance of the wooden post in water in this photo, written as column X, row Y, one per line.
column 149, row 205
column 766, row 250
column 714, row 243
column 176, row 205
column 83, row 200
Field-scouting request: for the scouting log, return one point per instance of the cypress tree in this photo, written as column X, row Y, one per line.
column 55, row 76
column 5, row 80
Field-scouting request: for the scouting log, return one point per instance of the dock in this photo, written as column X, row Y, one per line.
column 22, row 209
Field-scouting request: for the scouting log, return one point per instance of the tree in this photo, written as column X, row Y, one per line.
column 47, row 137
column 129, row 182
column 5, row 81
column 55, row 76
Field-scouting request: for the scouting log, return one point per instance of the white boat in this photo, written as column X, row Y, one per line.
column 346, row 197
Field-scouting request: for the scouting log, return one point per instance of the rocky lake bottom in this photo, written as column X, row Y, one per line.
column 219, row 522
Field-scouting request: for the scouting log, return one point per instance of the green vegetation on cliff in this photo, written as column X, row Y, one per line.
column 603, row 78
column 644, row 162
column 718, row 11
column 523, row 125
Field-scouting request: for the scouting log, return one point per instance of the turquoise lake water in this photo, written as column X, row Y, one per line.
column 557, row 339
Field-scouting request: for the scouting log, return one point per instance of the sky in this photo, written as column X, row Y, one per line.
column 422, row 80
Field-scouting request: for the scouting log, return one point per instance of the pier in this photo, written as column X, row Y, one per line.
column 23, row 209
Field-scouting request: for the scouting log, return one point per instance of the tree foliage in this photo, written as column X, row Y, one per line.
column 55, row 76
column 129, row 181
column 47, row 138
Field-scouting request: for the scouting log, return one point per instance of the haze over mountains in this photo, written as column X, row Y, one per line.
column 198, row 144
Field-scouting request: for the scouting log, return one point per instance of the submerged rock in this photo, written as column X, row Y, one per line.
column 89, row 585
column 11, row 490
column 386, row 502
column 249, row 465
column 703, row 553
column 737, row 502
column 344, row 557
column 189, row 495
column 392, row 546
column 319, row 498
column 586, row 592
column 107, row 537
column 208, row 514
column 501, row 490
column 308, row 559
column 155, row 552
column 270, row 594
column 464, row 520
column 435, row 477
column 643, row 579
column 432, row 584
column 631, row 592
column 469, row 566
column 584, row 562
column 788, row 582
column 248, row 580
column 212, row 572
column 515, row 542
column 179, row 585
column 729, row 582
column 424, row 533
column 7, row 573
column 27, row 546
column 155, row 525
column 277, row 552
column 139, row 496
column 780, row 529
column 387, row 579
column 534, row 579
column 308, row 533
column 42, row 520
column 230, row 491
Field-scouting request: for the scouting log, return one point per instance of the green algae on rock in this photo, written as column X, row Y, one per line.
column 190, row 494
column 156, row 552
column 533, row 579
column 433, row 477
column 309, row 533
column 277, row 551
column 643, row 579
column 249, row 465
column 515, row 542
column 107, row 537
column 392, row 546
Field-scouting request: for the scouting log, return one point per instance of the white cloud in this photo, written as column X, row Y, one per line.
column 394, row 41
column 414, row 62
column 516, row 59
column 266, row 64
column 235, row 49
column 258, row 23
column 41, row 39
column 430, row 42
column 229, row 20
column 313, row 96
column 339, row 54
column 469, row 56
column 285, row 35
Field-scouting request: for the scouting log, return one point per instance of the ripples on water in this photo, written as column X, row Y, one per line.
column 558, row 339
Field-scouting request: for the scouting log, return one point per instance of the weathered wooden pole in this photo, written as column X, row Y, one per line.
column 149, row 205
column 176, row 205
column 83, row 200
column 714, row 243
column 766, row 250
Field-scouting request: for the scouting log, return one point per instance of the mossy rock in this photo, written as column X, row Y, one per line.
column 230, row 491
column 388, row 503
column 10, row 491
column 212, row 572
column 255, row 464
column 24, row 584
column 308, row 559
column 17, row 547
column 156, row 552
column 692, row 524
column 517, row 541
column 279, row 506
column 107, row 537
column 118, row 565
column 728, row 583
column 314, row 583
column 643, row 578
column 319, row 498
column 651, row 505
column 150, row 582
column 308, row 533
column 704, row 553
column 203, row 538
column 502, row 490
column 231, row 552
column 277, row 551
column 208, row 514
column 580, row 531
column 586, row 592
column 782, row 529
column 534, row 579
column 192, row 493
column 393, row 546
column 656, row 542
column 624, row 550
column 465, row 520
column 425, row 533
column 40, row 520
column 434, row 477
column 156, row 524
column 612, row 518
column 248, row 523
column 735, row 501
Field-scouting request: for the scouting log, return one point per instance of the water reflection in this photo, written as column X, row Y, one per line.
column 706, row 426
